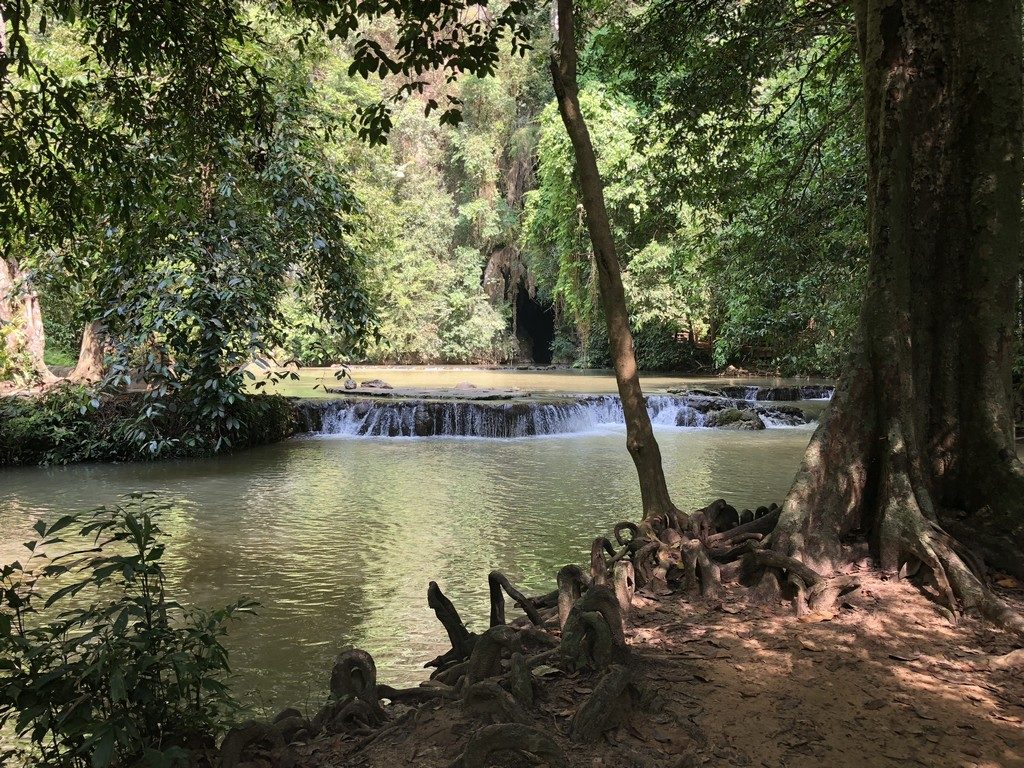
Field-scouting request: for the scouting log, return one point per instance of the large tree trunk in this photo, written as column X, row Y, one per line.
column 640, row 439
column 20, row 312
column 918, row 440
column 90, row 367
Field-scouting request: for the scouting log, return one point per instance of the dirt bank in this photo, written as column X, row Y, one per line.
column 886, row 681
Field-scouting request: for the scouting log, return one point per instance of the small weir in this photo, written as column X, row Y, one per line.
column 393, row 417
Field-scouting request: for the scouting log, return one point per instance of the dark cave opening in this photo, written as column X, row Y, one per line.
column 535, row 327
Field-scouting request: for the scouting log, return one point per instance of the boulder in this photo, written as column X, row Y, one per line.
column 788, row 415
column 423, row 420
column 734, row 418
column 696, row 392
column 350, row 384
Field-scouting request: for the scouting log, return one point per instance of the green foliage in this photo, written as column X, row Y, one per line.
column 437, row 202
column 188, row 286
column 207, row 189
column 661, row 267
column 15, row 364
column 100, row 665
column 151, row 70
column 57, row 356
column 759, row 138
column 71, row 424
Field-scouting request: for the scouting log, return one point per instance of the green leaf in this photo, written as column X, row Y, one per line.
column 104, row 751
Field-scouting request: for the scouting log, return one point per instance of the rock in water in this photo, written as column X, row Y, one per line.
column 734, row 418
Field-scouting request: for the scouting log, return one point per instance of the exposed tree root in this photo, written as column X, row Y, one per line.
column 912, row 537
column 497, row 581
column 254, row 734
column 461, row 639
column 606, row 707
column 599, row 567
column 570, row 586
column 701, row 577
column 510, row 737
column 903, row 527
column 624, row 583
column 354, row 676
column 593, row 634
column 414, row 696
column 521, row 680
column 488, row 699
column 485, row 660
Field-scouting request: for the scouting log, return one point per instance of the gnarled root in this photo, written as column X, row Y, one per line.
column 634, row 539
column 292, row 726
column 251, row 734
column 414, row 696
column 570, row 586
column 593, row 635
column 462, row 639
column 813, row 592
column 488, row 699
column 485, row 660
column 759, row 527
column 521, row 680
column 354, row 676
column 645, row 561
column 347, row 715
column 908, row 537
column 496, row 582
column 624, row 583
column 598, row 565
column 510, row 737
column 606, row 707
column 702, row 577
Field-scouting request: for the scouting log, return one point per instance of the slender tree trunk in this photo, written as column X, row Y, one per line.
column 918, row 441
column 90, row 367
column 5, row 51
column 19, row 309
column 640, row 439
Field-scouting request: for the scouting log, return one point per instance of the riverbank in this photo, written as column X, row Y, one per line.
column 68, row 424
column 884, row 680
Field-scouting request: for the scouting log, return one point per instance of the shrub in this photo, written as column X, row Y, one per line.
column 109, row 670
column 70, row 424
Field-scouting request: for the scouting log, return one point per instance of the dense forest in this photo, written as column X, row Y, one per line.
column 466, row 241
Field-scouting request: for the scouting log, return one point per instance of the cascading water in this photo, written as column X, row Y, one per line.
column 459, row 418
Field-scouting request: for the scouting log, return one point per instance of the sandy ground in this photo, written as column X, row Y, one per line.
column 886, row 682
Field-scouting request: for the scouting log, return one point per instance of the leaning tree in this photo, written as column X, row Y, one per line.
column 640, row 440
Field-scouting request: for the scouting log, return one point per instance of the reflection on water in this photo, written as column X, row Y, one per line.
column 338, row 538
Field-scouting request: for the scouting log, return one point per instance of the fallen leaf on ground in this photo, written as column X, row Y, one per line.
column 815, row 616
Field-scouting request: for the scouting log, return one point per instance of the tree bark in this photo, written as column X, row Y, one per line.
column 19, row 310
column 919, row 438
column 90, row 366
column 640, row 440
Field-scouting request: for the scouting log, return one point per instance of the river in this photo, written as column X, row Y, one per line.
column 338, row 536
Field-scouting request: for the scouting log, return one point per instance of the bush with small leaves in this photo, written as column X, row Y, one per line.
column 99, row 665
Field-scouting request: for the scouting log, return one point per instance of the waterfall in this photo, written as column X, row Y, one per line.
column 460, row 418
column 783, row 393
